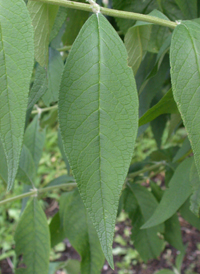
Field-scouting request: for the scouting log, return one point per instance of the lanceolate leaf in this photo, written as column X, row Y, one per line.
column 54, row 73
column 60, row 19
column 178, row 192
column 195, row 197
column 98, row 112
column 185, row 73
column 34, row 139
column 39, row 86
column 43, row 17
column 16, row 63
column 80, row 231
column 165, row 105
column 33, row 240
column 140, row 204
column 26, row 172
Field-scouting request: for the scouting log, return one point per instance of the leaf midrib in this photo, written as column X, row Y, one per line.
column 99, row 126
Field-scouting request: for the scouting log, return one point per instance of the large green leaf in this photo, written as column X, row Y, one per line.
column 185, row 73
column 33, row 240
column 81, row 233
column 140, row 204
column 16, row 63
column 98, row 113
column 165, row 105
column 54, row 73
column 34, row 139
column 43, row 18
column 178, row 192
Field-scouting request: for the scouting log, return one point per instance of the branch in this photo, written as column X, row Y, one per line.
column 112, row 12
column 36, row 192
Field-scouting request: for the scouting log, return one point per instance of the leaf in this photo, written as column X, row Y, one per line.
column 98, row 113
column 73, row 267
column 184, row 150
column 34, row 140
column 137, row 6
column 56, row 230
column 60, row 145
column 33, row 240
column 188, row 8
column 39, row 86
column 153, row 86
column 195, row 197
column 187, row 214
column 54, row 73
column 59, row 21
column 43, row 17
column 178, row 192
column 173, row 233
column 75, row 21
column 172, row 10
column 140, row 205
column 185, row 73
column 136, row 42
column 61, row 180
column 164, row 271
column 81, row 233
column 165, row 105
column 16, row 63
column 3, row 164
column 26, row 172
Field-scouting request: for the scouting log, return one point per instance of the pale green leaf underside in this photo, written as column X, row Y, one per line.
column 33, row 240
column 185, row 73
column 16, row 63
column 78, row 228
column 43, row 17
column 98, row 113
column 179, row 190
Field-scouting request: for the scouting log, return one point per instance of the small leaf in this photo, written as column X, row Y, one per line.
column 75, row 21
column 165, row 105
column 173, row 233
column 60, row 145
column 81, row 233
column 184, row 150
column 59, row 21
column 140, row 205
column 34, row 139
column 185, row 73
column 43, row 17
column 16, row 62
column 164, row 271
column 98, row 114
column 178, row 192
column 54, row 73
column 64, row 179
column 56, row 230
column 195, row 197
column 136, row 42
column 26, row 172
column 33, row 240
column 187, row 214
column 137, row 6
column 39, row 86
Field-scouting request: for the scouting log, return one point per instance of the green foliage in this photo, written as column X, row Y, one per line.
column 89, row 139
column 33, row 240
column 69, row 122
column 15, row 60
column 75, row 219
